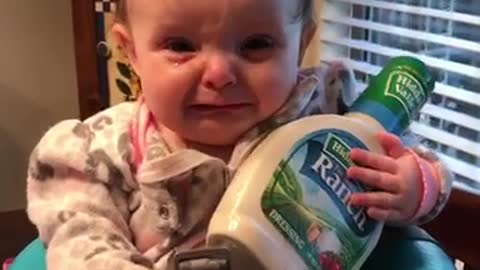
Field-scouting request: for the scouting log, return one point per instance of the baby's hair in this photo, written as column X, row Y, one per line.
column 305, row 12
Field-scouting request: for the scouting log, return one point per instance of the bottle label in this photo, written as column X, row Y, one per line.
column 407, row 90
column 307, row 200
column 395, row 96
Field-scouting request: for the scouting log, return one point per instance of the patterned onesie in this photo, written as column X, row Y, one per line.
column 109, row 193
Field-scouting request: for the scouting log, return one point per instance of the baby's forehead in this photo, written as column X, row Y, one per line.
column 241, row 8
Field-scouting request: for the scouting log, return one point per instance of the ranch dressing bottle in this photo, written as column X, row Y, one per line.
column 287, row 206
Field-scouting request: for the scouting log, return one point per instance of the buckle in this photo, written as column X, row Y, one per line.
column 202, row 259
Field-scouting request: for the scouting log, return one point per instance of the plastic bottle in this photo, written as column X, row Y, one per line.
column 287, row 206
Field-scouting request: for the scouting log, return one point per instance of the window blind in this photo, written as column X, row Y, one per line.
column 445, row 34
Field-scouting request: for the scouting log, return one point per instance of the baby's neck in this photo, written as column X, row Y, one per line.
column 223, row 152
column 174, row 142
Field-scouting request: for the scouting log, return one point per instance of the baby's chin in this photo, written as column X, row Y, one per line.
column 217, row 136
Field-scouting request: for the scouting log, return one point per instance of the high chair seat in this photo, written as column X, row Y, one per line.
column 408, row 248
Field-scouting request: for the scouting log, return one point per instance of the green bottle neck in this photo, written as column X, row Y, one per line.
column 395, row 96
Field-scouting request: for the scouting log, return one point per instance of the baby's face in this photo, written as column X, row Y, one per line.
column 212, row 69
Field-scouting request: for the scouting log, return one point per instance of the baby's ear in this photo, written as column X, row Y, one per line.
column 123, row 38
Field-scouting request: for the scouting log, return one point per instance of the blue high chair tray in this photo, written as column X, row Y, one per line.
column 408, row 248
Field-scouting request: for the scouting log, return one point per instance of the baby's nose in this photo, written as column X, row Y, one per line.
column 219, row 72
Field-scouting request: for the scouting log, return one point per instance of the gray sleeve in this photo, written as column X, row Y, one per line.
column 81, row 225
column 77, row 199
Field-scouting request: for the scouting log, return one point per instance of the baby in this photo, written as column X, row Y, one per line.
column 128, row 186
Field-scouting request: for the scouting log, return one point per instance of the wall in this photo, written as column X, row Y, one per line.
column 37, row 84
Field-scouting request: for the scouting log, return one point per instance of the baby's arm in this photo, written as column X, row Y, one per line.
column 81, row 220
column 436, row 180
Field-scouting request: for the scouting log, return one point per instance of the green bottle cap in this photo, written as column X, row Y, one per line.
column 395, row 96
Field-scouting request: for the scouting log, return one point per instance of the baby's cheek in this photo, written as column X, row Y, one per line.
column 273, row 97
column 165, row 107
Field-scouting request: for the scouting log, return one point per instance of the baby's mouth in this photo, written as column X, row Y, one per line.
column 217, row 108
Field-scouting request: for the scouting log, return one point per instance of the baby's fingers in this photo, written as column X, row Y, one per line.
column 381, row 214
column 382, row 200
column 392, row 145
column 374, row 160
column 374, row 179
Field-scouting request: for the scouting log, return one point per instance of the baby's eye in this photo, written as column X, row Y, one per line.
column 258, row 48
column 179, row 45
column 257, row 42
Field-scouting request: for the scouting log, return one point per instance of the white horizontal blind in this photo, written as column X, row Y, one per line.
column 445, row 34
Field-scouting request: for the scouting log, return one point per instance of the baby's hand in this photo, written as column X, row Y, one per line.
column 394, row 178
